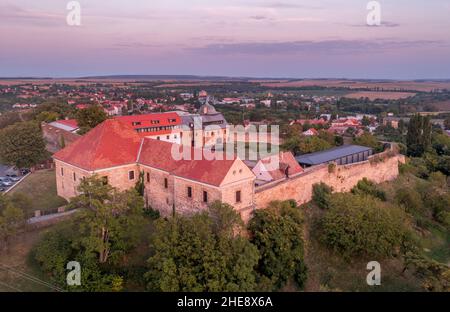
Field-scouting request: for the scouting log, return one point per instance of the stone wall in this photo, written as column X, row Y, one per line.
column 68, row 178
column 379, row 168
column 53, row 135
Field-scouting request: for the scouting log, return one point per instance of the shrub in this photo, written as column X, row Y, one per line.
column 367, row 187
column 321, row 195
column 410, row 199
column 358, row 225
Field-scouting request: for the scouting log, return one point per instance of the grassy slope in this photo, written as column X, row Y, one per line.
column 328, row 271
column 14, row 264
column 40, row 186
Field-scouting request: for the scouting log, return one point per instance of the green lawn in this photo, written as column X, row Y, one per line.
column 40, row 186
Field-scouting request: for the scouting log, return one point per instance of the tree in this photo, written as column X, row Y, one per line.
column 55, row 108
column 22, row 145
column 366, row 121
column 441, row 144
column 202, row 252
column 358, row 225
column 46, row 116
column 140, row 184
column 62, row 142
column 418, row 139
column 312, row 144
column 321, row 195
column 90, row 117
column 11, row 220
column 109, row 225
column 277, row 231
column 369, row 140
column 447, row 123
column 111, row 221
column 61, row 245
column 9, row 118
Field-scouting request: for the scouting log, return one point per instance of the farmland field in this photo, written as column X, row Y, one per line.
column 380, row 95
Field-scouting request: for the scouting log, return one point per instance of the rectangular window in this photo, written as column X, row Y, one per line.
column 74, row 176
column 189, row 192
column 105, row 180
column 238, row 196
column 166, row 183
column 62, row 171
column 148, row 177
column 131, row 175
column 205, row 196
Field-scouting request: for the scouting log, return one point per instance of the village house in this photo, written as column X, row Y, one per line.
column 276, row 167
column 311, row 132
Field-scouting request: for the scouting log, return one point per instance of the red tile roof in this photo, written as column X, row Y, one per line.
column 286, row 161
column 310, row 121
column 114, row 143
column 162, row 123
column 149, row 120
column 157, row 154
column 110, row 144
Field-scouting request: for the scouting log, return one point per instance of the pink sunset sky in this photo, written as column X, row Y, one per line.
column 254, row 38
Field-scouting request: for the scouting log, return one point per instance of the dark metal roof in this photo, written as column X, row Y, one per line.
column 331, row 154
column 206, row 119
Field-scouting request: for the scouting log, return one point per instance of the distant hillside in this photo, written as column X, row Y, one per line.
column 164, row 77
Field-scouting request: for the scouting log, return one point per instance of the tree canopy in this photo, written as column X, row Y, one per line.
column 203, row 252
column 22, row 145
column 418, row 139
column 90, row 117
column 357, row 225
column 109, row 225
column 277, row 231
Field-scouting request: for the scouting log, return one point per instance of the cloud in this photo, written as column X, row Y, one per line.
column 20, row 15
column 259, row 17
column 287, row 5
column 312, row 47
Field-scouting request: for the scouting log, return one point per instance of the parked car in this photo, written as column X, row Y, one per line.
column 24, row 171
column 8, row 183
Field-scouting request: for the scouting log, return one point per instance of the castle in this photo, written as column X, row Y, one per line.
column 120, row 153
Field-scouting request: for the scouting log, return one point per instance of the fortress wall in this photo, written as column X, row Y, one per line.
column 379, row 168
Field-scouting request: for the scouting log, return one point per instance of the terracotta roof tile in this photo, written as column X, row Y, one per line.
column 157, row 154
column 110, row 144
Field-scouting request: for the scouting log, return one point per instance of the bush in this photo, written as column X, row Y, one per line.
column 321, row 195
column 358, row 225
column 367, row 187
column 152, row 213
column 410, row 199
